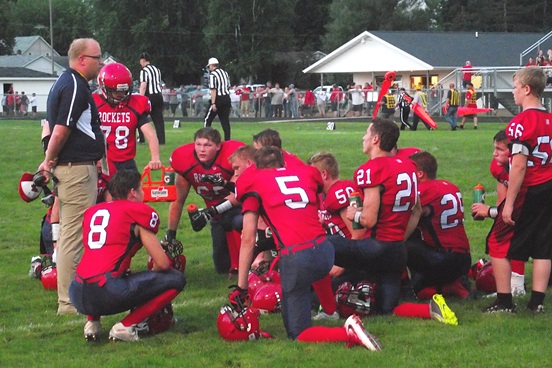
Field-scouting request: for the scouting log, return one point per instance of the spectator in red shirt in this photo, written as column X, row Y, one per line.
column 467, row 73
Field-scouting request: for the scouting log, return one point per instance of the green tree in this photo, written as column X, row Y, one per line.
column 7, row 30
column 246, row 35
column 350, row 18
column 309, row 29
column 170, row 31
column 70, row 19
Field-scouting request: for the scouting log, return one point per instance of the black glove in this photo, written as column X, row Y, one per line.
column 198, row 219
column 170, row 235
column 239, row 298
column 213, row 179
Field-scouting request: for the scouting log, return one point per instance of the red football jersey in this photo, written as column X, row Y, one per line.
column 445, row 227
column 103, row 181
column 499, row 172
column 119, row 125
column 335, row 200
column 407, row 152
column 532, row 128
column 397, row 177
column 108, row 237
column 291, row 159
column 287, row 199
column 185, row 162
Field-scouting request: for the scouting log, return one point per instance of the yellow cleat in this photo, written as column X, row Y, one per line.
column 440, row 311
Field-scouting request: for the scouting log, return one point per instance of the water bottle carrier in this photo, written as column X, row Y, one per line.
column 159, row 191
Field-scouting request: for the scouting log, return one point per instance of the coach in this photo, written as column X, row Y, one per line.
column 220, row 104
column 76, row 143
column 151, row 87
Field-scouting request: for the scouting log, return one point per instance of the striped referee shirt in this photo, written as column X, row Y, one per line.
column 152, row 76
column 219, row 80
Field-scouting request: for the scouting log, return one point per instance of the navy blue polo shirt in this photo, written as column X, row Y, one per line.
column 70, row 103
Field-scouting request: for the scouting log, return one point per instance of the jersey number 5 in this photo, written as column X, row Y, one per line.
column 283, row 185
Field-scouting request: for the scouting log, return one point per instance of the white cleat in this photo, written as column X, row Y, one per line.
column 92, row 330
column 122, row 333
column 359, row 336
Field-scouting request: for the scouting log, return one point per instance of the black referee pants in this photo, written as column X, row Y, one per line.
column 156, row 101
column 223, row 108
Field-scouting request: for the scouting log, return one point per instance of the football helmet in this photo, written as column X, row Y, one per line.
column 472, row 273
column 356, row 299
column 268, row 298
column 28, row 190
column 238, row 326
column 161, row 320
column 485, row 280
column 115, row 77
column 254, row 282
column 48, row 274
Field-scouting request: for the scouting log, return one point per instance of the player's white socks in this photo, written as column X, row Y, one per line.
column 518, row 284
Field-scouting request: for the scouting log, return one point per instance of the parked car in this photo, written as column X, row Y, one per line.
column 328, row 89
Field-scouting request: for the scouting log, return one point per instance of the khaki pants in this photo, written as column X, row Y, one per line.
column 77, row 191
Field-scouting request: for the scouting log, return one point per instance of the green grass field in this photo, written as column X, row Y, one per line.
column 32, row 334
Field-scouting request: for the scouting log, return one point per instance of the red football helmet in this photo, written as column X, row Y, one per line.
column 48, row 274
column 28, row 190
column 238, row 326
column 485, row 280
column 162, row 320
column 115, row 77
column 268, row 298
column 472, row 273
column 254, row 282
column 358, row 299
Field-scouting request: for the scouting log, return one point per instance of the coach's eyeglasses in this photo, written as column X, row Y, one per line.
column 93, row 57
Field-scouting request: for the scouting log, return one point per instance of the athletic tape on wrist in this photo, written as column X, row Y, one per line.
column 223, row 207
column 493, row 212
column 55, row 231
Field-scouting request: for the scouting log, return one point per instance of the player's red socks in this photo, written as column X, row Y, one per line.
column 426, row 293
column 323, row 334
column 92, row 318
column 456, row 288
column 412, row 310
column 147, row 309
column 518, row 266
column 233, row 241
column 323, row 289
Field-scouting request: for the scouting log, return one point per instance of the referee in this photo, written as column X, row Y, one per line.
column 150, row 86
column 219, row 84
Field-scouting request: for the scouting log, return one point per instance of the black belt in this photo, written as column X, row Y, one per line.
column 80, row 163
column 99, row 279
column 292, row 249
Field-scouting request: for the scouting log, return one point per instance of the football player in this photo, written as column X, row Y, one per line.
column 441, row 255
column 121, row 113
column 112, row 234
column 322, row 287
column 271, row 137
column 388, row 186
column 204, row 166
column 522, row 227
column 287, row 198
column 500, row 166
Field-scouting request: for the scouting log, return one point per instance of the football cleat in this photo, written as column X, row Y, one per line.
column 537, row 309
column 324, row 316
column 122, row 333
column 36, row 267
column 357, row 335
column 92, row 330
column 499, row 308
column 440, row 311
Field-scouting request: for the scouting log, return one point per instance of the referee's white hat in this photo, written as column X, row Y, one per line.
column 212, row 61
